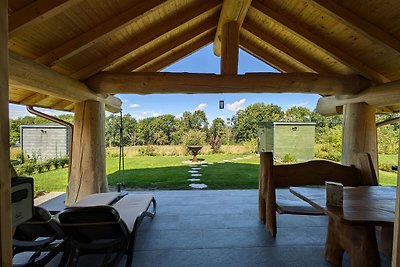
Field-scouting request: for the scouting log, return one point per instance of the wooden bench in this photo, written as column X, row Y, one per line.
column 314, row 172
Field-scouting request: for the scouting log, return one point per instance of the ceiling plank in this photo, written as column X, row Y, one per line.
column 197, row 8
column 168, row 45
column 266, row 57
column 36, row 12
column 358, row 23
column 33, row 99
column 312, row 65
column 178, row 54
column 328, row 48
column 99, row 33
column 232, row 10
column 192, row 83
column 27, row 74
column 61, row 105
column 387, row 94
column 230, row 48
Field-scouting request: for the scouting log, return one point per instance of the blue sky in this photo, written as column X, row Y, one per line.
column 202, row 61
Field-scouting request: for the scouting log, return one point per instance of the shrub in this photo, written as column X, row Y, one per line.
column 27, row 168
column 63, row 161
column 194, row 138
column 289, row 158
column 385, row 166
column 39, row 167
column 251, row 145
column 47, row 164
column 55, row 163
column 147, row 151
column 215, row 143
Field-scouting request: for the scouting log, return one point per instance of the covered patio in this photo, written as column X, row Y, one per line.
column 221, row 228
column 74, row 55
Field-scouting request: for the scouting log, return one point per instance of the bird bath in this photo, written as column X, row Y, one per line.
column 195, row 150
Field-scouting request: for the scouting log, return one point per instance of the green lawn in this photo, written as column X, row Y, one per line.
column 168, row 172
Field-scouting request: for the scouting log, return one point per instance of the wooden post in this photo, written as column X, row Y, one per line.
column 396, row 232
column 88, row 165
column 359, row 133
column 230, row 48
column 5, row 181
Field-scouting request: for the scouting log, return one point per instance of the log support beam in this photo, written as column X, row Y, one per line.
column 5, row 181
column 88, row 164
column 396, row 229
column 230, row 48
column 191, row 83
column 387, row 94
column 359, row 133
column 26, row 74
column 232, row 11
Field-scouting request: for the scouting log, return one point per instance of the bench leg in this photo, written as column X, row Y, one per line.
column 333, row 249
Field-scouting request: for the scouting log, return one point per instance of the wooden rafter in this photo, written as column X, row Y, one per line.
column 27, row 74
column 357, row 23
column 163, row 27
column 62, row 105
column 267, row 57
column 232, row 10
column 311, row 64
column 328, row 48
column 33, row 99
column 191, row 83
column 101, row 32
column 36, row 12
column 179, row 54
column 168, row 45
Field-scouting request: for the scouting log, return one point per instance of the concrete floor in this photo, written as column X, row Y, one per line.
column 221, row 228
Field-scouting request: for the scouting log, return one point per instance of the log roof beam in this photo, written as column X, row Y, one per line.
column 167, row 46
column 230, row 48
column 191, row 83
column 312, row 65
column 357, row 23
column 101, row 32
column 325, row 46
column 379, row 96
column 164, row 26
column 178, row 54
column 232, row 10
column 27, row 74
column 35, row 13
column 33, row 99
column 266, row 57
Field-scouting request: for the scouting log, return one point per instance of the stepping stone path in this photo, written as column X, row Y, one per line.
column 194, row 170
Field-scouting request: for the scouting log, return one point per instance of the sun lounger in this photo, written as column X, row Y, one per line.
column 41, row 233
column 105, row 229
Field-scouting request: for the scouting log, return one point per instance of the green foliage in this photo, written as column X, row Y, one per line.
column 388, row 138
column 26, row 168
column 147, row 150
column 287, row 158
column 56, row 163
column 194, row 138
column 297, row 114
column 63, row 161
column 245, row 122
column 47, row 164
column 251, row 145
column 112, row 130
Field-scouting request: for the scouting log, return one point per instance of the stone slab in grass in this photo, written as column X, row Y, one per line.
column 196, row 168
column 196, row 174
column 198, row 186
column 192, row 171
column 194, row 180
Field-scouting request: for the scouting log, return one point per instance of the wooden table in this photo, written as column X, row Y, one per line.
column 352, row 228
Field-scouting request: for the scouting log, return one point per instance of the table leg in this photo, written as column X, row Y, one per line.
column 333, row 249
column 358, row 241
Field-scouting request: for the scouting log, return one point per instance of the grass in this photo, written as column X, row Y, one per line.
column 168, row 172
column 165, row 172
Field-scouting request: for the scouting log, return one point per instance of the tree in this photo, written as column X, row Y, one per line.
column 246, row 121
column 217, row 131
column 298, row 114
column 112, row 130
column 163, row 127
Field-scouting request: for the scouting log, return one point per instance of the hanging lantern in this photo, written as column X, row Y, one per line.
column 221, row 104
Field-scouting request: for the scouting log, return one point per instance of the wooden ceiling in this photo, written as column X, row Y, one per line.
column 80, row 38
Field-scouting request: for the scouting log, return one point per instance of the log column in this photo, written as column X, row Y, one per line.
column 230, row 48
column 359, row 133
column 396, row 231
column 88, row 166
column 5, row 181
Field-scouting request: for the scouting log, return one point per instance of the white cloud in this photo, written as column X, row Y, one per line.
column 235, row 106
column 134, row 105
column 155, row 114
column 201, row 106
